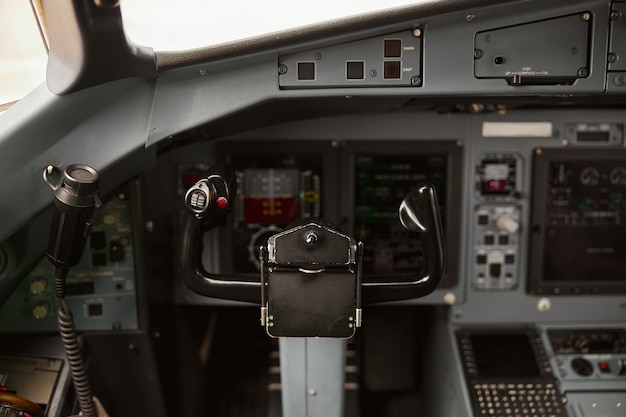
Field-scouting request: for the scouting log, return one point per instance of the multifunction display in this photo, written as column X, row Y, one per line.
column 382, row 182
column 276, row 187
column 579, row 220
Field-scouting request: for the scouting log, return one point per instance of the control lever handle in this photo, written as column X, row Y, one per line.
column 418, row 212
column 209, row 200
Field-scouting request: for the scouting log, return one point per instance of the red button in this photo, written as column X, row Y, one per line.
column 604, row 367
column 221, row 203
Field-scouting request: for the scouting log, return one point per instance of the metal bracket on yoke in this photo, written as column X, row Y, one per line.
column 311, row 283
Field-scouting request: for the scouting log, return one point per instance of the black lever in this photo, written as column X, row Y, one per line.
column 418, row 212
column 210, row 200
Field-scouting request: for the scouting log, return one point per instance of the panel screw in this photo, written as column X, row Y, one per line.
column 203, row 72
column 583, row 72
column 478, row 53
column 612, row 58
column 282, row 69
column 470, row 17
column 417, row 32
column 487, row 38
column 544, row 304
column 620, row 80
column 318, row 55
column 373, row 73
column 311, row 238
column 416, row 81
column 615, row 15
column 585, row 17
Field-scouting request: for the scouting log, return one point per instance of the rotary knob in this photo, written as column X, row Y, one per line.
column 38, row 285
column 41, row 310
column 582, row 366
column 507, row 223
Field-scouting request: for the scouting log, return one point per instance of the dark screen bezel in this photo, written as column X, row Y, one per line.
column 454, row 166
column 537, row 283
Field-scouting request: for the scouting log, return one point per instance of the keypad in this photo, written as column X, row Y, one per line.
column 518, row 400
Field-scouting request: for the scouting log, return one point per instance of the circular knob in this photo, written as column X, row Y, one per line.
column 41, row 309
column 38, row 285
column 507, row 223
column 582, row 366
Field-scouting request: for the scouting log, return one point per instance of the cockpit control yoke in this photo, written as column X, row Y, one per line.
column 310, row 283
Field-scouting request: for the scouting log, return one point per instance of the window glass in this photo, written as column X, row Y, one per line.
column 23, row 54
column 168, row 25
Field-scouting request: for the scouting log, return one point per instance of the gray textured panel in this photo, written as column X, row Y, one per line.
column 554, row 48
column 392, row 60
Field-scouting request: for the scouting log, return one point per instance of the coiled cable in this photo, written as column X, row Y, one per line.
column 67, row 329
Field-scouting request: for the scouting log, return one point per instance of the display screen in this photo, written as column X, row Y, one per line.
column 579, row 218
column 381, row 183
column 274, row 190
column 497, row 176
column 504, row 355
column 271, row 196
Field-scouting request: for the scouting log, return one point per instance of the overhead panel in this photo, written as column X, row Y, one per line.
column 391, row 60
column 547, row 52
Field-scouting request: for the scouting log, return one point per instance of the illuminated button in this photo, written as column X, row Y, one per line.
column 221, row 203
column 355, row 70
column 393, row 48
column 306, row 71
column 604, row 367
column 392, row 69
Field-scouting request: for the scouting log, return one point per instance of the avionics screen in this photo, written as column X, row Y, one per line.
column 278, row 183
column 383, row 174
column 504, row 356
column 578, row 244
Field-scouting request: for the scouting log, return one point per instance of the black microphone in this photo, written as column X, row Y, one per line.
column 76, row 196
